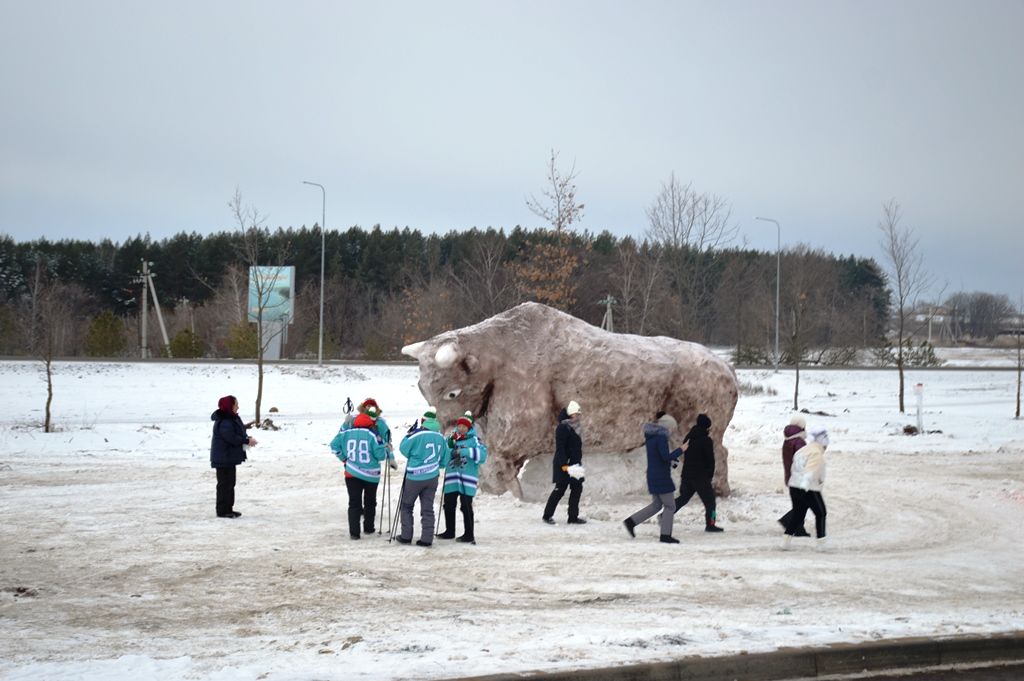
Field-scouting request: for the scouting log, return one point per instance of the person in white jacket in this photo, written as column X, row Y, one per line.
column 806, row 479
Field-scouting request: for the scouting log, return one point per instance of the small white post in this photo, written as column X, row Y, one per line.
column 919, row 391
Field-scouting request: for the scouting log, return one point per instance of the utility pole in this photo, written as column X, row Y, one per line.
column 143, row 279
column 146, row 279
column 323, row 219
column 606, row 323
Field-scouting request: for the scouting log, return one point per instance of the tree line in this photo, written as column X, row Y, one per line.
column 385, row 288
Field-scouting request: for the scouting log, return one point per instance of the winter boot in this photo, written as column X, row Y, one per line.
column 420, row 542
column 577, row 521
column 713, row 528
column 403, row 540
column 466, row 539
column 629, row 524
column 549, row 521
column 447, row 534
column 668, row 539
column 787, row 541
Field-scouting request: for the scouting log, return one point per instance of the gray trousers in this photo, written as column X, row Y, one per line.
column 424, row 490
column 668, row 501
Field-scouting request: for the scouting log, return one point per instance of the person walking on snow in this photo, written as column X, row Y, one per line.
column 659, row 476
column 361, row 449
column 698, row 470
column 567, row 465
column 426, row 451
column 227, row 452
column 794, row 436
column 806, row 480
column 461, row 476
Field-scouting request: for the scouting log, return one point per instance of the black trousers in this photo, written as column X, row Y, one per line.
column 802, row 501
column 225, row 490
column 466, row 502
column 787, row 518
column 702, row 487
column 575, row 487
column 362, row 505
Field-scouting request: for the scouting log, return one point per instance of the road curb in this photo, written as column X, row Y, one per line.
column 793, row 663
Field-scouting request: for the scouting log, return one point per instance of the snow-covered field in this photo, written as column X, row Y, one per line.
column 112, row 564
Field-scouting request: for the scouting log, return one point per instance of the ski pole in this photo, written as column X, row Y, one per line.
column 387, row 483
column 440, row 509
column 394, row 525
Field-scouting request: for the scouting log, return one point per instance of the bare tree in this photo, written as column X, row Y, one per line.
column 681, row 217
column 808, row 285
column 639, row 272
column 545, row 272
column 559, row 207
column 691, row 225
column 979, row 314
column 740, row 303
column 48, row 325
column 485, row 279
column 251, row 224
column 906, row 275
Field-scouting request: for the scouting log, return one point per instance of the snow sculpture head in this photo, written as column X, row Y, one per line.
column 518, row 369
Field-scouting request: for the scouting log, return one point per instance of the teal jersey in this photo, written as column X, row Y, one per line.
column 362, row 452
column 462, row 469
column 380, row 427
column 425, row 451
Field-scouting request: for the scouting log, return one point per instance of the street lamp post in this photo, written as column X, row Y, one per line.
column 323, row 218
column 778, row 273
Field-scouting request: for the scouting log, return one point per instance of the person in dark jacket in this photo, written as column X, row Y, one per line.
column 794, row 438
column 227, row 452
column 659, row 476
column 698, row 469
column 567, row 466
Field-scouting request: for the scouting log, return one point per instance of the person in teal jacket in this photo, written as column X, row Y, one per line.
column 370, row 407
column 461, row 476
column 426, row 451
column 362, row 451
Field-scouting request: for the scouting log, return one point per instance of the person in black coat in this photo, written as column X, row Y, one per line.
column 698, row 469
column 226, row 452
column 568, row 453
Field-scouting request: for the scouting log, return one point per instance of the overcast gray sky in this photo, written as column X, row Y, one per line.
column 120, row 118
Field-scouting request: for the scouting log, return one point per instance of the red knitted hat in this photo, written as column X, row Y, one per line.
column 226, row 403
column 464, row 421
column 363, row 421
column 370, row 406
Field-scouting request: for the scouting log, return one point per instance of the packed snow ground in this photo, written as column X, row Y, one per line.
column 113, row 566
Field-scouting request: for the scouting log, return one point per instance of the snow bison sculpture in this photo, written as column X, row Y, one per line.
column 516, row 370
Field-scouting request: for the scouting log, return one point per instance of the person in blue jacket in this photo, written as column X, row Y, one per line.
column 362, row 451
column 426, row 452
column 227, row 452
column 659, row 476
column 461, row 476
